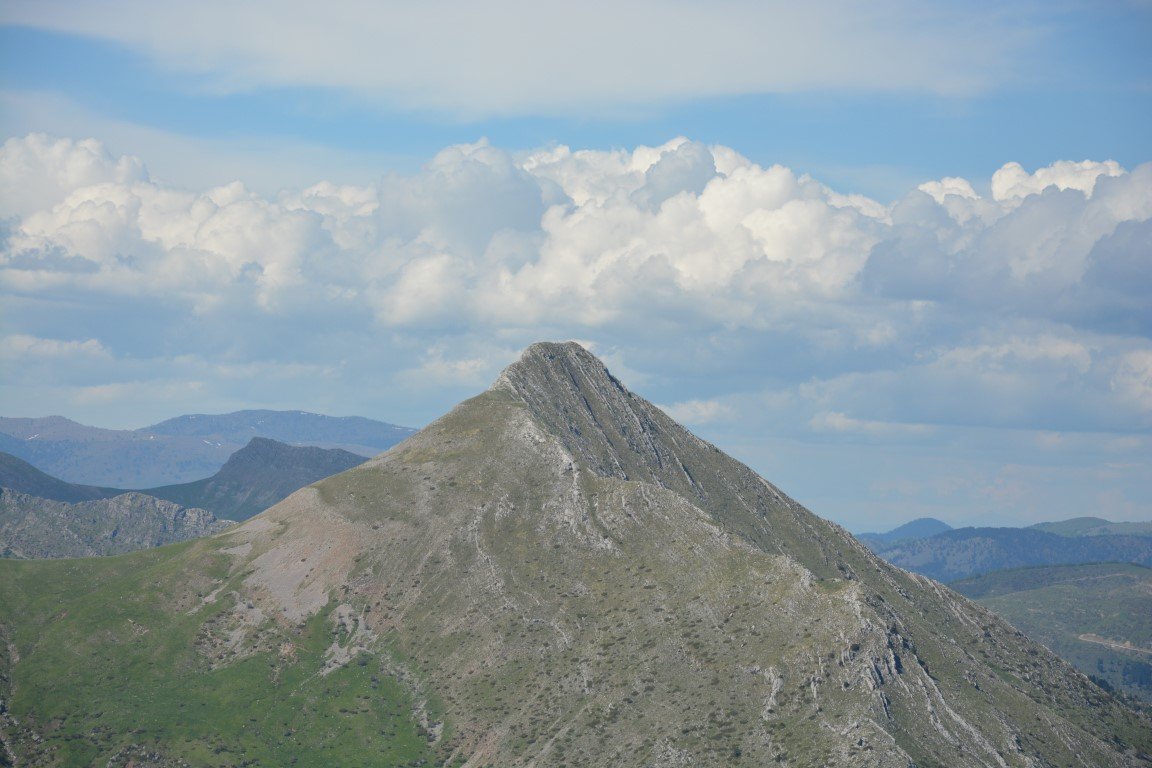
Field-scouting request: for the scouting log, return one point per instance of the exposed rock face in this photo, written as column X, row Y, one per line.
column 558, row 574
column 34, row 527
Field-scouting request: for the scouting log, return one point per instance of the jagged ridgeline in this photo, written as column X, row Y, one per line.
column 553, row 574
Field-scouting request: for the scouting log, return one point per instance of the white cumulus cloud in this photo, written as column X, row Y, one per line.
column 1012, row 181
column 865, row 314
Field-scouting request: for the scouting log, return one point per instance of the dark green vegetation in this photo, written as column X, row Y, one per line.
column 964, row 552
column 179, row 450
column 1098, row 616
column 257, row 476
column 553, row 574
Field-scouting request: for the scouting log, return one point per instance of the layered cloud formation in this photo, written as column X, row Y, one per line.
column 1021, row 306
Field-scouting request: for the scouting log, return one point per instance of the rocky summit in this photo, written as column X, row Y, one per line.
column 552, row 574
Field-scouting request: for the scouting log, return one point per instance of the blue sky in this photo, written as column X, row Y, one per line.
column 800, row 229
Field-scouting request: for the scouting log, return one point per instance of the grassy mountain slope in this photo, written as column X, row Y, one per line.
column 156, row 657
column 1098, row 616
column 553, row 574
column 257, row 476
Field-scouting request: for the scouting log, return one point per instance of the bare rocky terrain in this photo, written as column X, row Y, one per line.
column 33, row 527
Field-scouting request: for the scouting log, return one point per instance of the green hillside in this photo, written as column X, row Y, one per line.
column 120, row 657
column 1097, row 616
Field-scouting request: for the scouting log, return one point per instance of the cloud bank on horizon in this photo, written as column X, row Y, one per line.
column 743, row 297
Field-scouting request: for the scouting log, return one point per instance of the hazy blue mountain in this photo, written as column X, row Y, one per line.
column 365, row 437
column 965, row 552
column 1094, row 526
column 920, row 528
column 179, row 450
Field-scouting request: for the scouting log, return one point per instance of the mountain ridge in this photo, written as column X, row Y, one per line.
column 555, row 573
column 254, row 478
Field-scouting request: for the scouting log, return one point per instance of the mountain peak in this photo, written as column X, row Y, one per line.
column 555, row 573
column 613, row 432
column 551, row 361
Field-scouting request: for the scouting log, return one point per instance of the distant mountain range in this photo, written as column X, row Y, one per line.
column 180, row 450
column 43, row 516
column 1097, row 616
column 920, row 528
column 960, row 553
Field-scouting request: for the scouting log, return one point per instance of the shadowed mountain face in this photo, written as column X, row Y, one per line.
column 554, row 573
column 257, row 476
column 18, row 475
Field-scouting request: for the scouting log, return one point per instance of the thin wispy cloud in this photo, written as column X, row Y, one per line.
column 511, row 57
